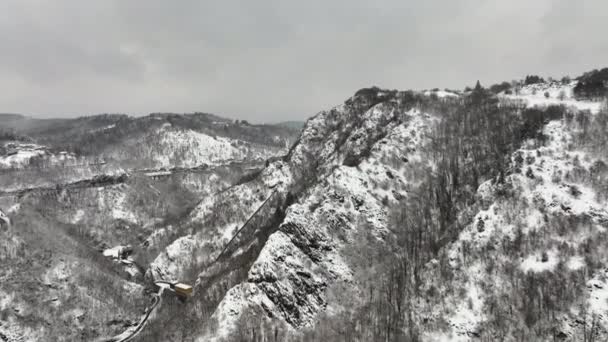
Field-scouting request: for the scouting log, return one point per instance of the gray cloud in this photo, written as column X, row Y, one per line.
column 275, row 60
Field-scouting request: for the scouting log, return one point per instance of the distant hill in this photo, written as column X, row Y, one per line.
column 10, row 116
column 292, row 124
column 158, row 139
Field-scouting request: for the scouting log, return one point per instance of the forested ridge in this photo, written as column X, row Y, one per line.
column 485, row 153
column 432, row 215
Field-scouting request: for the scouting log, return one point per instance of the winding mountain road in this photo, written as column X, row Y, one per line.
column 133, row 331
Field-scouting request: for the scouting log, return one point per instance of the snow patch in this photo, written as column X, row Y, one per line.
column 169, row 264
column 598, row 295
column 540, row 262
column 441, row 93
column 19, row 154
column 533, row 95
column 576, row 263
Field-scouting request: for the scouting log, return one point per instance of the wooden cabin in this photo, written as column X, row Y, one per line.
column 183, row 290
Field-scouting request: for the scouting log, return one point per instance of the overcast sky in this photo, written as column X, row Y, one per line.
column 272, row 60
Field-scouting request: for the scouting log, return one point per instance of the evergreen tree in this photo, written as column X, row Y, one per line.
column 478, row 86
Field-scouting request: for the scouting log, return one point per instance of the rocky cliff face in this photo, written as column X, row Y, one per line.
column 353, row 162
column 349, row 164
column 296, row 218
column 306, row 254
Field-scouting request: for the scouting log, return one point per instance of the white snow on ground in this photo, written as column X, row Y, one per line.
column 559, row 94
column 15, row 332
column 598, row 294
column 169, row 264
column 441, row 93
column 14, row 209
column 576, row 263
column 353, row 199
column 78, row 216
column 534, row 263
column 6, row 300
column 238, row 299
column 116, row 203
column 201, row 149
column 19, row 159
column 248, row 196
column 168, row 147
column 228, row 231
column 317, row 128
column 487, row 224
column 244, row 198
column 469, row 311
column 105, row 128
column 20, row 154
column 277, row 175
column 58, row 273
column 544, row 191
column 188, row 148
column 555, row 159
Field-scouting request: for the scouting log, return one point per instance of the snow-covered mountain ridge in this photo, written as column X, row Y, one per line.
column 369, row 140
column 361, row 158
column 395, row 216
column 303, row 257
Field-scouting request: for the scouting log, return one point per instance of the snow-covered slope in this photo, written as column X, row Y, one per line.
column 19, row 155
column 169, row 147
column 63, row 272
column 348, row 165
column 552, row 93
column 153, row 141
column 441, row 93
column 305, row 255
column 285, row 243
column 536, row 239
column 199, row 148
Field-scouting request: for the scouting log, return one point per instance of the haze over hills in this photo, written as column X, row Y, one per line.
column 434, row 215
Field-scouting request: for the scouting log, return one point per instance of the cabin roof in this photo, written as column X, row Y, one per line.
column 183, row 286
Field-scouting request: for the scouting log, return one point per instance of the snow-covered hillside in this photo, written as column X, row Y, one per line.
column 433, row 215
column 79, row 232
column 171, row 147
column 357, row 158
column 188, row 148
column 544, row 192
column 552, row 93
column 547, row 228
column 365, row 161
column 300, row 261
column 19, row 155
